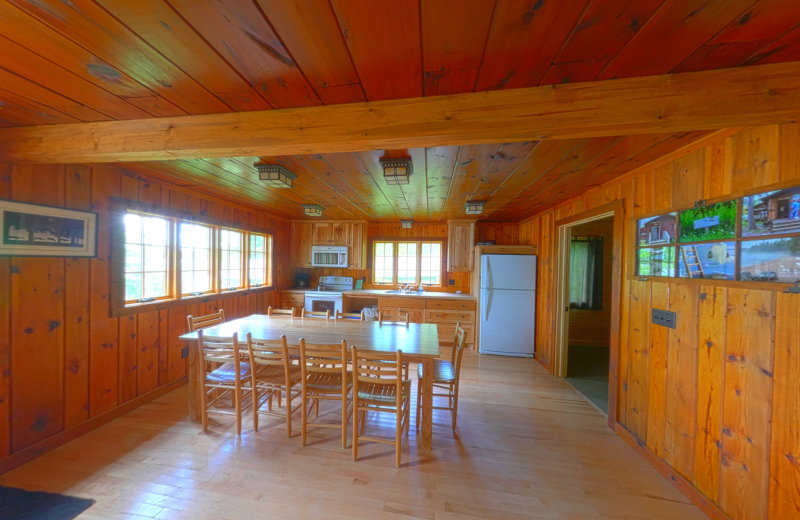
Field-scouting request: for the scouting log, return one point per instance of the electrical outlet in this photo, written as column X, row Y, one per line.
column 451, row 282
column 184, row 352
column 664, row 318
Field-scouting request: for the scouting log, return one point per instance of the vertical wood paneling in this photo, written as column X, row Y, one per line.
column 711, row 351
column 790, row 151
column 784, row 471
column 718, row 169
column 76, row 308
column 37, row 322
column 657, row 391
column 681, row 389
column 638, row 353
column 687, row 178
column 104, row 345
column 747, row 400
column 127, row 358
column 147, row 352
column 5, row 336
column 755, row 157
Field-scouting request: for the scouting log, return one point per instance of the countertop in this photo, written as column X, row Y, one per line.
column 429, row 295
column 375, row 293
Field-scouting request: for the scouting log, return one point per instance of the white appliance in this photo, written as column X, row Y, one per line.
column 508, row 305
column 329, row 294
column 329, row 256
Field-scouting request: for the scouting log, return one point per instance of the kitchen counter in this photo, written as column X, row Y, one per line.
column 428, row 295
column 297, row 289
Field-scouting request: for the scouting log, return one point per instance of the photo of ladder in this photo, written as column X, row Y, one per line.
column 692, row 262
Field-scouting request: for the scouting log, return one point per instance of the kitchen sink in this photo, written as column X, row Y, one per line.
column 393, row 292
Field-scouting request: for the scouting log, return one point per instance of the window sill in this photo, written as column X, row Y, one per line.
column 138, row 308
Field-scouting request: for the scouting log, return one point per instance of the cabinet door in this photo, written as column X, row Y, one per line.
column 414, row 315
column 460, row 240
column 340, row 234
column 358, row 246
column 300, row 251
column 321, row 234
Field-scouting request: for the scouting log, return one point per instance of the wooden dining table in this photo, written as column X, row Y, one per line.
column 419, row 343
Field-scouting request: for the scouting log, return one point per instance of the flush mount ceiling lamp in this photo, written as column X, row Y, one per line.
column 275, row 175
column 406, row 224
column 475, row 207
column 313, row 210
column 396, row 171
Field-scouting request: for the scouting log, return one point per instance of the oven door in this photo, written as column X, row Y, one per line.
column 324, row 303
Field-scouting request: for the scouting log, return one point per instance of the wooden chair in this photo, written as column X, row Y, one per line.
column 379, row 387
column 272, row 373
column 325, row 377
column 391, row 318
column 350, row 315
column 316, row 314
column 282, row 312
column 223, row 367
column 203, row 322
column 445, row 377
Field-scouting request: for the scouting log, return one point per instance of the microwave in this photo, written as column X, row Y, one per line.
column 329, row 256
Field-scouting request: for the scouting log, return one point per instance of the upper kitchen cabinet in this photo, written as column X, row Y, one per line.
column 358, row 245
column 331, row 234
column 300, row 250
column 460, row 240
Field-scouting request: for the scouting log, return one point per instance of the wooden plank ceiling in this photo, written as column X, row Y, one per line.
column 98, row 60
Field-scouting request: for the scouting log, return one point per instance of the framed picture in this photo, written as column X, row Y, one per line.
column 771, row 213
column 33, row 230
column 712, row 222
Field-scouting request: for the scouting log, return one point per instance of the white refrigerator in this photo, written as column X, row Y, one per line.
column 508, row 305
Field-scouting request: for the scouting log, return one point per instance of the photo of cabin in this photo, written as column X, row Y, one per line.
column 771, row 213
column 658, row 230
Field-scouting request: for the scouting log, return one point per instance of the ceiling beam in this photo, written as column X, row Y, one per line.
column 746, row 96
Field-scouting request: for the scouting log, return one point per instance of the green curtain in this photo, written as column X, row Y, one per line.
column 586, row 274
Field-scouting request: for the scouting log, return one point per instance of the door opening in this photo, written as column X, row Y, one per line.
column 588, row 335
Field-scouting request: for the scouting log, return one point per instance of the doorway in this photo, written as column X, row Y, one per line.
column 588, row 335
column 587, row 363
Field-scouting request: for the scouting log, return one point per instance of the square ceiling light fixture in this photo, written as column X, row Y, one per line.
column 313, row 210
column 275, row 175
column 396, row 171
column 475, row 207
column 406, row 224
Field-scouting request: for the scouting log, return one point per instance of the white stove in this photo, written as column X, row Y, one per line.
column 329, row 294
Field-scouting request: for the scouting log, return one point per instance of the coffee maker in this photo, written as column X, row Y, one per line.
column 301, row 280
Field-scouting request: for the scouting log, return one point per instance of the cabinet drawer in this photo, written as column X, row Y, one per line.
column 447, row 332
column 290, row 305
column 434, row 316
column 418, row 303
column 455, row 305
column 293, row 297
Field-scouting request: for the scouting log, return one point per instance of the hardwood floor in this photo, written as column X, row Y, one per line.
column 527, row 447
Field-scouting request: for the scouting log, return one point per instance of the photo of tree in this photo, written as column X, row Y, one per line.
column 712, row 222
column 656, row 261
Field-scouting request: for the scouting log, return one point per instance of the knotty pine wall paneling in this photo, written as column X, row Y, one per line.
column 63, row 360
column 716, row 398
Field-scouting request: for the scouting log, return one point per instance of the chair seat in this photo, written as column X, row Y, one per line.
column 443, row 371
column 383, row 394
column 274, row 374
column 327, row 382
column 226, row 373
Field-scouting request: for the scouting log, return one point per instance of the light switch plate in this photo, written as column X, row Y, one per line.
column 664, row 318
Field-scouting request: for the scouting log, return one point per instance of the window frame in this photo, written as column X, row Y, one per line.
column 633, row 246
column 119, row 208
column 212, row 270
column 268, row 265
column 372, row 241
column 243, row 259
column 170, row 269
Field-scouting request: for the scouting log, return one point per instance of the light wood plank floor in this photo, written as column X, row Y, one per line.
column 527, row 447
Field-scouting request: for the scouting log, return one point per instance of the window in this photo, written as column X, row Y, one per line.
column 196, row 270
column 159, row 257
column 260, row 246
column 586, row 273
column 146, row 257
column 231, row 259
column 407, row 262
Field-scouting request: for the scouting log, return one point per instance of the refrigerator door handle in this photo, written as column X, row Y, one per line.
column 489, row 271
column 489, row 294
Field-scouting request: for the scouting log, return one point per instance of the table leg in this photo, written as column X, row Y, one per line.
column 427, row 402
column 193, row 391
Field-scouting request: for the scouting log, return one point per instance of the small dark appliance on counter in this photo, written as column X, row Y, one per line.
column 301, row 280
